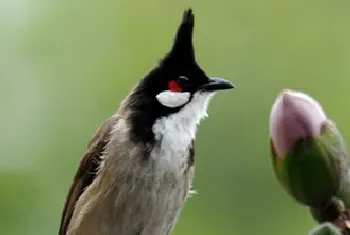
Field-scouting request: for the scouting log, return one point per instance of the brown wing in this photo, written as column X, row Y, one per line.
column 86, row 172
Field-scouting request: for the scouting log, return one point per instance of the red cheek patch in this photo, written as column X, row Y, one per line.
column 174, row 86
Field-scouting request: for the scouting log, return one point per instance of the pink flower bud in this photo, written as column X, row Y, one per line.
column 294, row 116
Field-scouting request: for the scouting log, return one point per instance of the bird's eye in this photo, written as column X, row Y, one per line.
column 183, row 80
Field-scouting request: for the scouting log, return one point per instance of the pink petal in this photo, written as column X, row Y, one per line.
column 294, row 116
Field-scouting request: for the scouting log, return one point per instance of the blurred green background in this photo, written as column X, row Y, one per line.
column 66, row 65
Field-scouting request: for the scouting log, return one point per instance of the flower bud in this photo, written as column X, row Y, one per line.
column 308, row 155
column 294, row 116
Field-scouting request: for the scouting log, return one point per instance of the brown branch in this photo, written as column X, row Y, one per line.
column 339, row 215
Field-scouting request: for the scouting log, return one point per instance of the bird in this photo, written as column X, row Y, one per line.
column 137, row 171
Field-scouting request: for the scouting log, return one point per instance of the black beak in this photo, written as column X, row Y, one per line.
column 215, row 84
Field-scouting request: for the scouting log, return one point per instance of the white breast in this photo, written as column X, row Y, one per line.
column 175, row 132
column 169, row 162
column 156, row 190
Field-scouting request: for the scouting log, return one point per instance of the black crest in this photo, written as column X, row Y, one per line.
column 182, row 48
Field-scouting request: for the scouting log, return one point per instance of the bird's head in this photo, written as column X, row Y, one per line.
column 177, row 82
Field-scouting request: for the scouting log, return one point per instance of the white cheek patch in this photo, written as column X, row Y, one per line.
column 173, row 99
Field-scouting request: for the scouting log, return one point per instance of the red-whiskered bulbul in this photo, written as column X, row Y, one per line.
column 138, row 168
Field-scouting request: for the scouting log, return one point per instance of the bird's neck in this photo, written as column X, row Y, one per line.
column 185, row 121
column 149, row 120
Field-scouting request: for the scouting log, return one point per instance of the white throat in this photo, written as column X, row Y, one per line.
column 176, row 131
